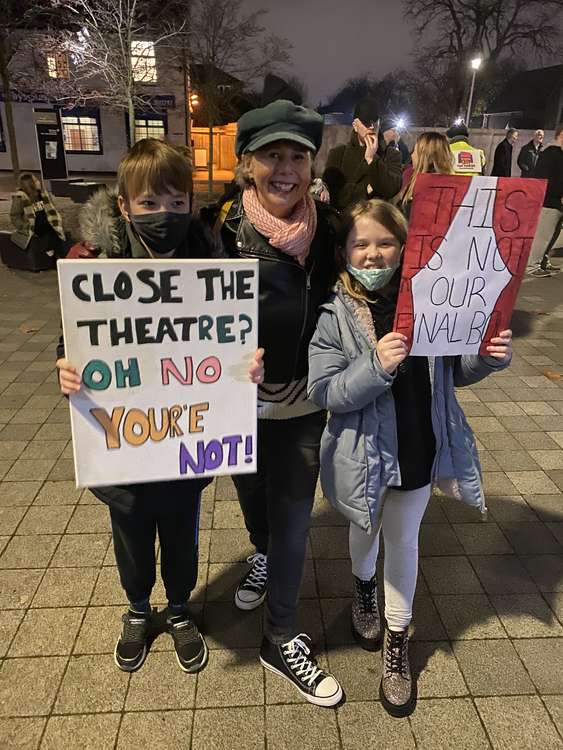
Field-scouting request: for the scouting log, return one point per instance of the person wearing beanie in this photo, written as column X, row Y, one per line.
column 370, row 165
column 467, row 160
column 275, row 220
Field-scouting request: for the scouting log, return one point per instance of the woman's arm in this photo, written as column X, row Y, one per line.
column 335, row 383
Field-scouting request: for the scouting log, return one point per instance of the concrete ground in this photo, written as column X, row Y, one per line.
column 488, row 628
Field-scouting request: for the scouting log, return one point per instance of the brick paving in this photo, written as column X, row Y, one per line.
column 488, row 627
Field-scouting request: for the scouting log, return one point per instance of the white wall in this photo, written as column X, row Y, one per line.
column 114, row 140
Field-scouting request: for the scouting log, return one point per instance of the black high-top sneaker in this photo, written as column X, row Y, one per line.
column 131, row 648
column 293, row 661
column 189, row 644
column 366, row 623
column 251, row 591
column 397, row 690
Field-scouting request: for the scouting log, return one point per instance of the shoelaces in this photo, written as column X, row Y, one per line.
column 395, row 655
column 297, row 657
column 367, row 595
column 258, row 573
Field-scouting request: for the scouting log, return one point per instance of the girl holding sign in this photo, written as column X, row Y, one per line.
column 150, row 218
column 395, row 428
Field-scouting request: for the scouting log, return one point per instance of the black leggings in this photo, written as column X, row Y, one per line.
column 276, row 503
column 134, row 536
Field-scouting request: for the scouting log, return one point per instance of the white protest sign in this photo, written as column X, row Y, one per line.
column 163, row 348
column 467, row 247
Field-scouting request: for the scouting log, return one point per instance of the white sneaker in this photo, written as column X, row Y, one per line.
column 251, row 591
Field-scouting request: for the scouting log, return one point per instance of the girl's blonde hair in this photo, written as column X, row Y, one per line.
column 431, row 154
column 385, row 214
column 153, row 166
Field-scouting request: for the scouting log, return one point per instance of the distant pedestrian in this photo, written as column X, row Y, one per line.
column 33, row 214
column 550, row 167
column 467, row 159
column 369, row 166
column 502, row 164
column 529, row 155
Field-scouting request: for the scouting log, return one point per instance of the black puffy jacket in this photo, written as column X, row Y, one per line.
column 289, row 294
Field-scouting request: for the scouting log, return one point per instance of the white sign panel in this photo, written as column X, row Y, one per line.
column 163, row 349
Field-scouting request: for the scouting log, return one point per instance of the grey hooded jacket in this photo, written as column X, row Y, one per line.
column 359, row 453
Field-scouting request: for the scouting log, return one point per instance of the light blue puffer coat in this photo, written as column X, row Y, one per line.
column 359, row 444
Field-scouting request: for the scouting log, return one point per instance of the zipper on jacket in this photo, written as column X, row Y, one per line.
column 308, row 275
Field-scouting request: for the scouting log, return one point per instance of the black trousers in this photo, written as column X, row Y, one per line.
column 276, row 503
column 176, row 520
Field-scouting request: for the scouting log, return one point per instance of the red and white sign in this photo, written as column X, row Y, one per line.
column 468, row 244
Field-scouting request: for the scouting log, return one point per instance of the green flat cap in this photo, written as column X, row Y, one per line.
column 281, row 120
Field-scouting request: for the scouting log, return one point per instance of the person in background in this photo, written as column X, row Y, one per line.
column 529, row 155
column 33, row 214
column 369, row 166
column 404, row 149
column 467, row 159
column 431, row 154
column 549, row 167
column 395, row 429
column 502, row 163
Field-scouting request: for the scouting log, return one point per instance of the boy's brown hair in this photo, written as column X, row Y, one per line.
column 154, row 167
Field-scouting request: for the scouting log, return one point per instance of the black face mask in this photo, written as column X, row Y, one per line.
column 163, row 231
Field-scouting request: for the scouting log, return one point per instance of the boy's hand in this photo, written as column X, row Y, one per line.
column 69, row 379
column 391, row 351
column 371, row 146
column 256, row 369
column 501, row 346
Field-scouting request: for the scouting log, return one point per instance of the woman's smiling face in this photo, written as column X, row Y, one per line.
column 281, row 172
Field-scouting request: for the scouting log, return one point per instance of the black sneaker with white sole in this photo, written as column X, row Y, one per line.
column 132, row 645
column 189, row 644
column 251, row 591
column 294, row 662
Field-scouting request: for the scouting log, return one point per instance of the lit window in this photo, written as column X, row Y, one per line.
column 81, row 133
column 57, row 65
column 149, row 127
column 143, row 62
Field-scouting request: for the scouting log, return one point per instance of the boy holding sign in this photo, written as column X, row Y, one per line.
column 150, row 218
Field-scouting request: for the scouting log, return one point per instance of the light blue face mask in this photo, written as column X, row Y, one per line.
column 372, row 278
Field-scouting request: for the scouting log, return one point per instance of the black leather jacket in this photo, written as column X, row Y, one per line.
column 289, row 294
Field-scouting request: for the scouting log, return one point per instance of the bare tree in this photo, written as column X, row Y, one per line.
column 227, row 41
column 113, row 53
column 453, row 30
column 19, row 19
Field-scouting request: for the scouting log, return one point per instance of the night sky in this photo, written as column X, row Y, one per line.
column 334, row 40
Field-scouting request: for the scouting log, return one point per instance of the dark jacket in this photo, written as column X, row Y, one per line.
column 347, row 174
column 550, row 167
column 528, row 159
column 102, row 225
column 290, row 294
column 502, row 164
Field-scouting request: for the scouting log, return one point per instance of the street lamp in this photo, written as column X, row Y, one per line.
column 475, row 65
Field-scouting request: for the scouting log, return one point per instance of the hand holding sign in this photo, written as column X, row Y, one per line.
column 161, row 368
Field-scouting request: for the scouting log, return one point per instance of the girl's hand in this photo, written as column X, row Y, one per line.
column 501, row 346
column 69, row 379
column 256, row 369
column 391, row 351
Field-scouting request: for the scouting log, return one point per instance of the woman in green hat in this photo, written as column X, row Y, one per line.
column 275, row 220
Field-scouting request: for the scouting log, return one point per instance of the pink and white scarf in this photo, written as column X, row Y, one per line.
column 292, row 235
